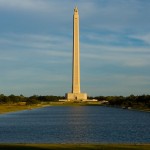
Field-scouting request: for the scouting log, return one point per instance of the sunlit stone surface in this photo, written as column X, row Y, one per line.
column 76, row 93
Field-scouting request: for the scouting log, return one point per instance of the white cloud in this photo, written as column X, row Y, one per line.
column 119, row 16
column 60, row 46
column 122, row 84
column 45, row 54
column 124, row 56
column 32, row 5
column 48, row 44
column 145, row 37
column 114, row 15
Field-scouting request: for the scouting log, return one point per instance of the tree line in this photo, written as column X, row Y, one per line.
column 132, row 101
column 140, row 101
column 35, row 99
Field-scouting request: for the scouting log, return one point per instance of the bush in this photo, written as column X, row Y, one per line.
column 32, row 101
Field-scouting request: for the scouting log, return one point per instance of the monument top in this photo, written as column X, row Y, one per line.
column 76, row 9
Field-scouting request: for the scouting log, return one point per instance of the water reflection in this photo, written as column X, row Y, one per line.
column 90, row 124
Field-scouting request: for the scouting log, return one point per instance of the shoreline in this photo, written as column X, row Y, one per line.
column 74, row 146
column 48, row 146
column 132, row 108
column 14, row 107
column 8, row 108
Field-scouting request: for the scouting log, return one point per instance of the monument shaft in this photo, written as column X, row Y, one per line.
column 76, row 54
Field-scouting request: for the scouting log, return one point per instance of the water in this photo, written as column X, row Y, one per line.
column 88, row 124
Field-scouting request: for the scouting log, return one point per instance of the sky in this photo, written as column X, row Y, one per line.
column 36, row 47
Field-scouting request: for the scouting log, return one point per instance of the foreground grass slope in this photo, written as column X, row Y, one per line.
column 73, row 147
column 5, row 108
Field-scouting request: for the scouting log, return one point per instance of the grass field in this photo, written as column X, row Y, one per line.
column 5, row 108
column 73, row 147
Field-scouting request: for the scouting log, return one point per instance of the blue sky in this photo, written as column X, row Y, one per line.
column 36, row 46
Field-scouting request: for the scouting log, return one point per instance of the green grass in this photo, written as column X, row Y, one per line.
column 5, row 108
column 73, row 147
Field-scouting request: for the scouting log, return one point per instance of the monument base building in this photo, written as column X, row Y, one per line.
column 76, row 96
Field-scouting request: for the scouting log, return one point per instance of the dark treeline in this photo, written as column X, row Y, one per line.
column 29, row 100
column 141, row 101
column 132, row 101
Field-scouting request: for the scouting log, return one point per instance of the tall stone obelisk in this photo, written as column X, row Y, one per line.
column 76, row 54
column 76, row 94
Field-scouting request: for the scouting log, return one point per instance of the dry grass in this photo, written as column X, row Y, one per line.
column 5, row 108
column 74, row 147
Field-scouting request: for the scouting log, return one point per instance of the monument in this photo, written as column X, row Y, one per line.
column 76, row 93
